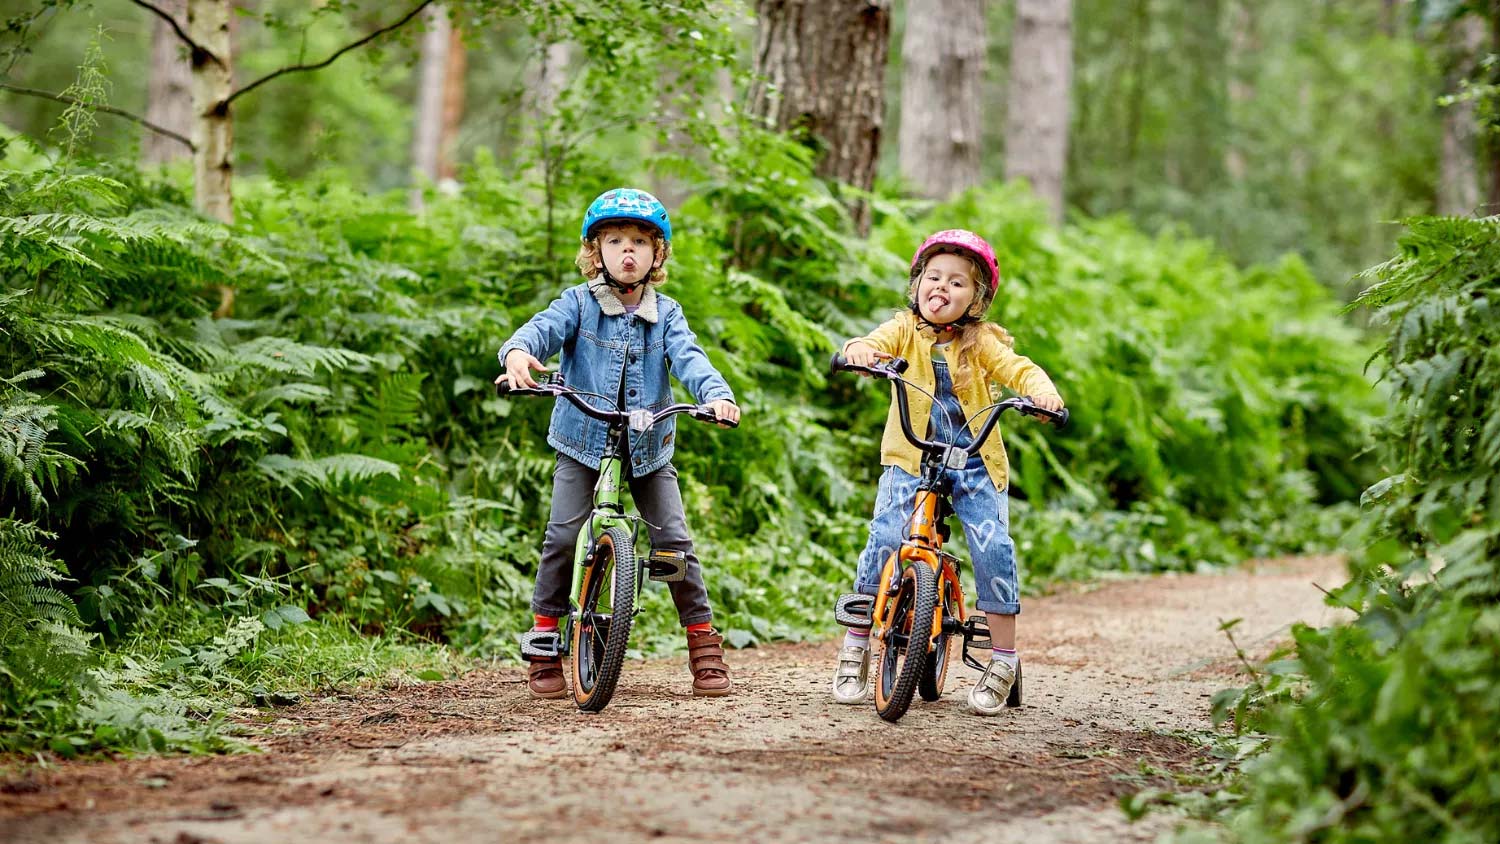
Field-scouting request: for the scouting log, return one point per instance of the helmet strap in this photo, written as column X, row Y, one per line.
column 621, row 286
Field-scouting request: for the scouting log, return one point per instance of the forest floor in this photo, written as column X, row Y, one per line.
column 1118, row 676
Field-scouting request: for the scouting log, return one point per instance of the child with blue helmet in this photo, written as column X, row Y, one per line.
column 620, row 337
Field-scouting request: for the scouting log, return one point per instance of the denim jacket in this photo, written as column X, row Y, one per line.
column 598, row 341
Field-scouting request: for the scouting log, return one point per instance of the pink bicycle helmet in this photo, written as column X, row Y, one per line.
column 965, row 241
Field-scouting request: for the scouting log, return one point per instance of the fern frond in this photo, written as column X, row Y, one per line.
column 323, row 472
column 26, row 572
column 278, row 354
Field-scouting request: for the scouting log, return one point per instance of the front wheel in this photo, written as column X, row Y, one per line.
column 606, row 608
column 905, row 652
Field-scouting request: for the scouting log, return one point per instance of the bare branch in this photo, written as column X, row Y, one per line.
column 328, row 61
column 177, row 28
column 64, row 98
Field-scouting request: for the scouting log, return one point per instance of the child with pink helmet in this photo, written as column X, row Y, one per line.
column 954, row 356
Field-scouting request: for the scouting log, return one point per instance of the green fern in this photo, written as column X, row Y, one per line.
column 323, row 472
column 28, row 573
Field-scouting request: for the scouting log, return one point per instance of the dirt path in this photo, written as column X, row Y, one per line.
column 1113, row 675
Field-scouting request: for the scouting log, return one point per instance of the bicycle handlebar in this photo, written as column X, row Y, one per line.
column 555, row 387
column 891, row 370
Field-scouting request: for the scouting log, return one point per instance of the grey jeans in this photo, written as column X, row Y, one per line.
column 659, row 501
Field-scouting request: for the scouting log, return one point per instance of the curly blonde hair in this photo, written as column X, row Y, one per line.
column 589, row 254
column 966, row 338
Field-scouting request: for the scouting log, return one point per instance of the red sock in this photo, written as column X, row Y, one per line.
column 701, row 627
column 544, row 622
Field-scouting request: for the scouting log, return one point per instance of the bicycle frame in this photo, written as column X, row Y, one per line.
column 923, row 544
column 609, row 511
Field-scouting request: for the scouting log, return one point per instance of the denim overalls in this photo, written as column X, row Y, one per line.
column 983, row 510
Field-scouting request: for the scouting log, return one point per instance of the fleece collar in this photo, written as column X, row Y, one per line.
column 610, row 304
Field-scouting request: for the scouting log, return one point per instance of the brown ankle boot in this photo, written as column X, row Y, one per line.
column 706, row 661
column 545, row 678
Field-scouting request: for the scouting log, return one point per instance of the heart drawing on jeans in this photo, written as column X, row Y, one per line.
column 983, row 533
column 1002, row 589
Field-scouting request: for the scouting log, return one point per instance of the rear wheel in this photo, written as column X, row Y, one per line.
column 606, row 607
column 935, row 672
column 905, row 651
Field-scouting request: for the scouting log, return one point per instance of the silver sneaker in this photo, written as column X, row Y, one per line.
column 992, row 689
column 851, row 683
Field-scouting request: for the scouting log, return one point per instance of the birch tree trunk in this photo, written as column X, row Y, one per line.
column 1041, row 81
column 942, row 56
column 820, row 69
column 1458, row 176
column 213, row 124
column 169, row 89
column 549, row 78
column 432, row 77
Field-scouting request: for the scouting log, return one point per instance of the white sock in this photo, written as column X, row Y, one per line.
column 1008, row 657
column 857, row 639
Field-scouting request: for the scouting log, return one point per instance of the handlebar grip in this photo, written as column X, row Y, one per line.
column 703, row 414
column 1058, row 418
column 891, row 366
column 503, row 388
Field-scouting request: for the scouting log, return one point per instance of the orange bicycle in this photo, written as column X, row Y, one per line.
column 920, row 605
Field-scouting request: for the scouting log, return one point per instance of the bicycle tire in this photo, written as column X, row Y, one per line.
column 905, row 651
column 935, row 672
column 596, row 659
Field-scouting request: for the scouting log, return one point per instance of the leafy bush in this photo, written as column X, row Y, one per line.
column 1392, row 738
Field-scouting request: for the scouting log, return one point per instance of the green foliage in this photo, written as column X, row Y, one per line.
column 1391, row 737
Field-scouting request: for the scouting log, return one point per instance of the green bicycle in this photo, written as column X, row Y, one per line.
column 607, row 575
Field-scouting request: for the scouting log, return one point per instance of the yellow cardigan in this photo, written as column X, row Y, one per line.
column 999, row 364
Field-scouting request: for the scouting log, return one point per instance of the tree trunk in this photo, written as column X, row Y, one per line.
column 942, row 55
column 169, row 90
column 432, row 76
column 1135, row 104
column 670, row 141
column 550, row 77
column 820, row 70
column 1244, row 45
column 1492, row 145
column 1041, row 81
column 453, row 103
column 1458, row 178
column 213, row 125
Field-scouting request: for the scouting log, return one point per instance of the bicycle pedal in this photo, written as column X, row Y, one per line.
column 542, row 643
column 854, row 609
column 667, row 566
column 977, row 633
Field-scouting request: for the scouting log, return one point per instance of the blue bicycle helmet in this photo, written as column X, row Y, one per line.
column 626, row 204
